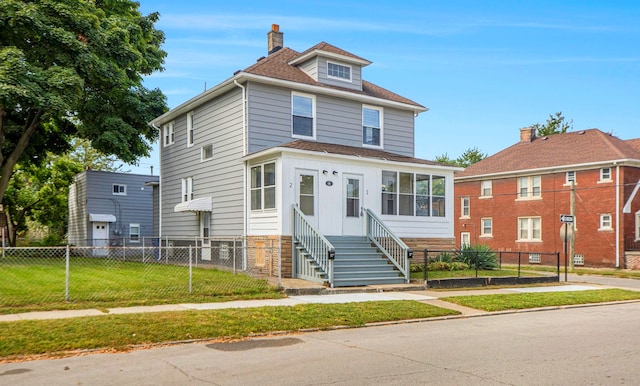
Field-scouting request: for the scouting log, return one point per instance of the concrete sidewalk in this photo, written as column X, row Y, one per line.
column 344, row 295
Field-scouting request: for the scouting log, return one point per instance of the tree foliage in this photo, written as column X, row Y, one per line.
column 555, row 124
column 469, row 157
column 74, row 68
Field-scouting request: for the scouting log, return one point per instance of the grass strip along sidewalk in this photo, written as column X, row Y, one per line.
column 20, row 340
column 122, row 332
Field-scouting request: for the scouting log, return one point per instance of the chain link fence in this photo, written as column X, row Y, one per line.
column 154, row 271
column 468, row 267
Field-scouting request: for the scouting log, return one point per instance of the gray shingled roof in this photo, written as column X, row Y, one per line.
column 558, row 150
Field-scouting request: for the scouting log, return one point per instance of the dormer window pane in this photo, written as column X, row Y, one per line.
column 339, row 71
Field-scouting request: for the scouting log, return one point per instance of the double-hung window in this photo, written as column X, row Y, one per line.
column 529, row 187
column 486, row 189
column 464, row 209
column 605, row 222
column 168, row 134
column 605, row 174
column 372, row 126
column 187, row 189
column 263, row 186
column 190, row 129
column 570, row 177
column 134, row 233
column 487, row 227
column 529, row 229
column 303, row 111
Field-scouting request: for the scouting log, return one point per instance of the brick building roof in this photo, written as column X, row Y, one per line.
column 277, row 65
column 572, row 148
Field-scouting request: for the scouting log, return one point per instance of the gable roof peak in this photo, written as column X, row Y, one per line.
column 329, row 50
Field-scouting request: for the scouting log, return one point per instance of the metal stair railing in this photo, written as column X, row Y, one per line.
column 391, row 245
column 319, row 249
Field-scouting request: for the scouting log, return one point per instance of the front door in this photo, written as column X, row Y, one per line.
column 307, row 195
column 205, row 224
column 352, row 212
column 101, row 238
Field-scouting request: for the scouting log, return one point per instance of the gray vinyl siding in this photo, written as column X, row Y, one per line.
column 338, row 121
column 218, row 122
column 310, row 68
column 92, row 193
column 356, row 75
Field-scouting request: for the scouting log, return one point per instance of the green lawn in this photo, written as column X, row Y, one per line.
column 520, row 301
column 39, row 284
column 120, row 332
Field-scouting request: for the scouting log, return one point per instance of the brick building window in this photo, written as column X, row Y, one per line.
column 529, row 229
column 485, row 188
column 605, row 175
column 487, row 227
column 571, row 177
column 605, row 222
column 464, row 210
column 529, row 187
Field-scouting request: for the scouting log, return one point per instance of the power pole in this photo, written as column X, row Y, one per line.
column 572, row 240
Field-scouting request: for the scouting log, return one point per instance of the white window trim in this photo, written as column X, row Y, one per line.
column 313, row 115
column 464, row 235
column 603, row 227
column 603, row 180
column 381, row 111
column 350, row 80
column 490, row 183
column 202, row 152
column 138, row 235
column 119, row 193
column 263, row 187
column 187, row 189
column 529, row 229
column 190, row 129
column 468, row 206
column 482, row 234
column 567, row 182
column 530, row 187
column 168, row 134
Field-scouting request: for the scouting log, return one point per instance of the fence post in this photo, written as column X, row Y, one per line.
column 558, row 262
column 519, row 262
column 477, row 257
column 66, row 284
column 234, row 255
column 425, row 268
column 190, row 271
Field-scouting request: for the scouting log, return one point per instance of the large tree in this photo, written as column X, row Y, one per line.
column 74, row 68
column 555, row 124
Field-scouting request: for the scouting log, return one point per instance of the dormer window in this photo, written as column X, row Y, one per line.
column 338, row 71
column 303, row 111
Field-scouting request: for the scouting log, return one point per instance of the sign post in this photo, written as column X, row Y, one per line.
column 565, row 219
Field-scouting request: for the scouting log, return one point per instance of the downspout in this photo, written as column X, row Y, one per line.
column 244, row 168
column 159, row 181
column 617, row 215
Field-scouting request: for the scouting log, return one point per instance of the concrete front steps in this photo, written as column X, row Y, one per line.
column 359, row 263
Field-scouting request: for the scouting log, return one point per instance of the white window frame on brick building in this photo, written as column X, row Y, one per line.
column 486, row 227
column 529, row 188
column 605, row 175
column 465, row 203
column 529, row 229
column 486, row 189
column 606, row 222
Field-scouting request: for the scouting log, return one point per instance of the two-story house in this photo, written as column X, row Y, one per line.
column 300, row 149
column 513, row 200
column 108, row 209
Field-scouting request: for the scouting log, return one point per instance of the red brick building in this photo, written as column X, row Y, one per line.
column 513, row 200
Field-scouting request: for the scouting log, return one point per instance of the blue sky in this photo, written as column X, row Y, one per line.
column 483, row 68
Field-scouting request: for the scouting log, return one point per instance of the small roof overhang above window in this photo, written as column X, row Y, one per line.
column 95, row 217
column 196, row 205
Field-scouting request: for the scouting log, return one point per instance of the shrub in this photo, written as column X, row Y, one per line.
column 479, row 257
column 447, row 266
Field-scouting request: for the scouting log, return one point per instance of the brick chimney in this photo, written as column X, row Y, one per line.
column 275, row 39
column 527, row 134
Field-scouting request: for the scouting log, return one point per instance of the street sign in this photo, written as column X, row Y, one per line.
column 566, row 218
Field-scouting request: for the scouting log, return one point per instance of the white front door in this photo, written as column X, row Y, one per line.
column 352, row 212
column 307, row 194
column 205, row 224
column 100, row 238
